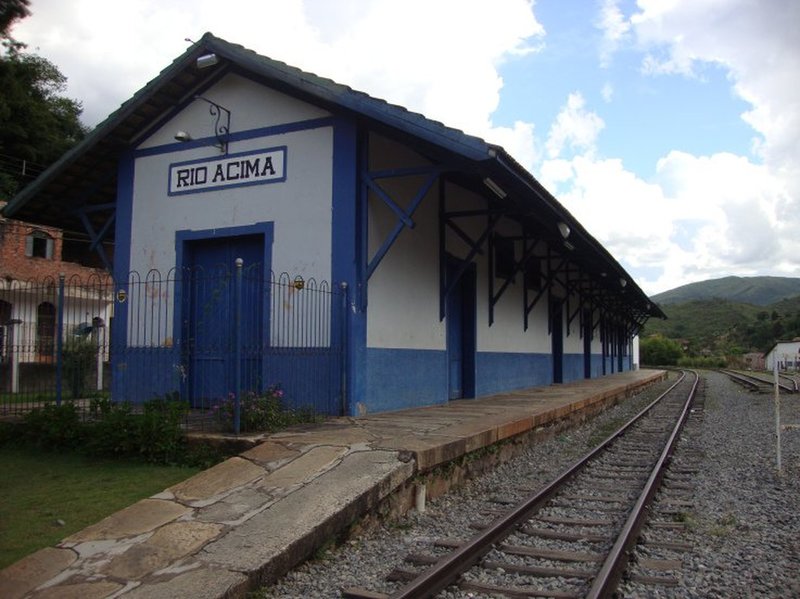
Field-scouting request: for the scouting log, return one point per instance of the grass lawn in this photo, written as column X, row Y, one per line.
column 40, row 488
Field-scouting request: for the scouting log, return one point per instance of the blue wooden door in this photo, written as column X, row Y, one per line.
column 455, row 344
column 587, row 344
column 461, row 314
column 209, row 315
column 557, row 336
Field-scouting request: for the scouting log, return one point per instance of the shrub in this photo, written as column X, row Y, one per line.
column 113, row 429
column 54, row 426
column 160, row 436
column 703, row 362
column 79, row 355
column 264, row 412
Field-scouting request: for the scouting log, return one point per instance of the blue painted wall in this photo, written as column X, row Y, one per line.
column 505, row 371
column 403, row 378
column 147, row 372
column 346, row 240
column 573, row 367
column 122, row 262
column 597, row 365
column 398, row 379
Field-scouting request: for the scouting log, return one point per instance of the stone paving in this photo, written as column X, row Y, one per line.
column 251, row 518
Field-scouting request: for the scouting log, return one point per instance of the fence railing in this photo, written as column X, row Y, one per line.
column 223, row 340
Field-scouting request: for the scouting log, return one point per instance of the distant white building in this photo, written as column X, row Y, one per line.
column 787, row 354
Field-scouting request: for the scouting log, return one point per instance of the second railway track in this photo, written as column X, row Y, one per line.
column 569, row 539
column 762, row 382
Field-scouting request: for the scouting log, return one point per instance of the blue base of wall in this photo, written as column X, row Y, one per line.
column 505, row 371
column 403, row 378
column 399, row 379
column 143, row 373
column 597, row 365
column 310, row 378
column 573, row 367
column 613, row 366
column 396, row 379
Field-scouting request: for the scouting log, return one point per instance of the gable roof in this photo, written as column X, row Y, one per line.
column 86, row 175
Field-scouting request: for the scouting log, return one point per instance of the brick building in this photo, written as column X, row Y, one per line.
column 32, row 259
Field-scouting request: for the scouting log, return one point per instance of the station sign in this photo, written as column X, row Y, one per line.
column 232, row 170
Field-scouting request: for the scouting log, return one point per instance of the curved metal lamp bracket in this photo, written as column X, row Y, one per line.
column 222, row 125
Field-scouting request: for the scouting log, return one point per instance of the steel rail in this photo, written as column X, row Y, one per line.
column 757, row 381
column 448, row 569
column 607, row 578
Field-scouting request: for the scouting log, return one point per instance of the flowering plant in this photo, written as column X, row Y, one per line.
column 263, row 412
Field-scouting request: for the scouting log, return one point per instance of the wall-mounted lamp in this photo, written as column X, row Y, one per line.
column 564, row 229
column 496, row 189
column 222, row 125
column 622, row 282
column 207, row 60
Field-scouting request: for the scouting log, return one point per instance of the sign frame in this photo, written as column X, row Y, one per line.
column 268, row 165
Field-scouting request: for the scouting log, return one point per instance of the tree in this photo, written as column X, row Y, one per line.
column 37, row 124
column 10, row 11
column 659, row 351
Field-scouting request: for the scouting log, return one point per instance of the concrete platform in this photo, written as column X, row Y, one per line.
column 248, row 520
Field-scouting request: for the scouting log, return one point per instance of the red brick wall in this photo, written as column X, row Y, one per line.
column 15, row 264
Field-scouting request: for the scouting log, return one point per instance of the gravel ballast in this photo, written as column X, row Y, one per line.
column 744, row 525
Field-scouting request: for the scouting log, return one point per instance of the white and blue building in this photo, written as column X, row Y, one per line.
column 456, row 273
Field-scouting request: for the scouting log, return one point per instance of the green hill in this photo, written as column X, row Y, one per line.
column 713, row 320
column 759, row 291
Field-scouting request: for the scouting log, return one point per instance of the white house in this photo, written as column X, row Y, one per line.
column 787, row 355
column 449, row 271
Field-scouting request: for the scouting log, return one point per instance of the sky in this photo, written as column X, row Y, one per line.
column 669, row 128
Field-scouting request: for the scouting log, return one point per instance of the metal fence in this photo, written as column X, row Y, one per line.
column 224, row 340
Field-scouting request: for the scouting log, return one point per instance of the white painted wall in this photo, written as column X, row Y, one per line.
column 787, row 354
column 252, row 106
column 508, row 333
column 404, row 290
column 403, row 298
column 299, row 207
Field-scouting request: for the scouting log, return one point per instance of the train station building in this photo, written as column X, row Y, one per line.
column 392, row 261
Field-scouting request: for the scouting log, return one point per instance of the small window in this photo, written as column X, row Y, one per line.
column 533, row 273
column 504, row 259
column 39, row 245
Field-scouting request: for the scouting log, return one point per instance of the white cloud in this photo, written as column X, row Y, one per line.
column 704, row 216
column 756, row 42
column 615, row 28
column 444, row 65
column 607, row 92
column 519, row 141
column 700, row 217
column 574, row 128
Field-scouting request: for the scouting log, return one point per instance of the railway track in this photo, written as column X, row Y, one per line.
column 573, row 537
column 762, row 383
